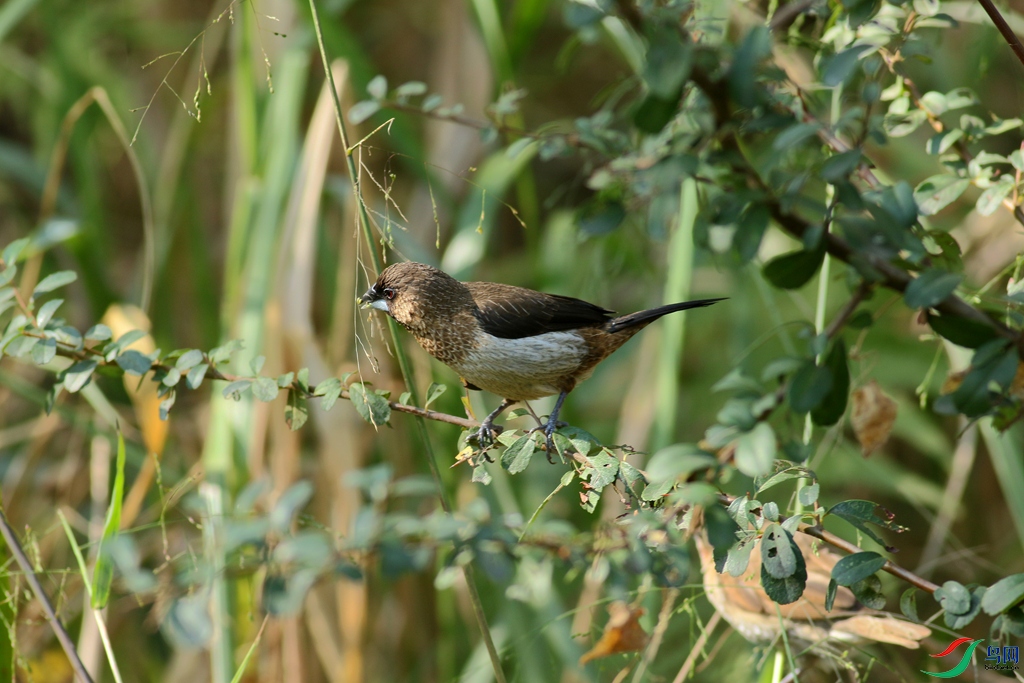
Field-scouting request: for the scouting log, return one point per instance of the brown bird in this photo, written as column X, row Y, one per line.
column 743, row 603
column 510, row 341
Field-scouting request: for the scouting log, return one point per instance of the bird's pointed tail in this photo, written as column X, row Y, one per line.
column 641, row 318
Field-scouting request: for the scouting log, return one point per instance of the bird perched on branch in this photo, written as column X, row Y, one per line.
column 744, row 604
column 510, row 341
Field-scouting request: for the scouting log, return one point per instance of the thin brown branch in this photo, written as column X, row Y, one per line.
column 58, row 629
column 837, row 542
column 1004, row 29
column 889, row 566
column 847, row 310
column 698, row 648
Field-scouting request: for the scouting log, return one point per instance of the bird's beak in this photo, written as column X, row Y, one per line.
column 372, row 299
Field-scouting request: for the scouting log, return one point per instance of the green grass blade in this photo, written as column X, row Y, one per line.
column 248, row 655
column 100, row 624
column 103, row 575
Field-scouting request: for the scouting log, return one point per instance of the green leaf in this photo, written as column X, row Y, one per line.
column 189, row 360
column 167, row 403
column 224, row 351
column 782, row 554
column 296, row 412
column 371, row 406
column 377, row 87
column 962, row 331
column 994, row 363
column 900, row 125
column 284, row 595
column 788, row 474
column 678, row 461
column 411, row 89
column 256, row 364
column 360, row 111
column 12, row 252
column 98, row 333
column 330, row 390
column 953, row 597
column 857, row 567
column 601, row 470
column 868, row 592
column 959, row 621
column 44, row 351
column 195, row 376
column 931, row 287
column 134, row 363
column 123, row 342
column 481, row 475
column 285, row 380
column 265, row 389
column 187, row 623
column 738, row 559
column 808, row 387
column 668, row 62
column 833, row 405
column 78, row 375
column 992, row 198
column 46, row 312
column 936, row 193
column 103, row 574
column 860, row 513
column 941, row 142
column 21, row 346
column 840, row 67
column 53, row 281
column 908, row 604
column 288, row 505
column 794, row 135
column 840, row 166
column 517, row 456
column 755, row 450
column 235, row 389
column 795, row 269
column 1003, row 594
column 808, row 495
column 172, row 378
column 434, row 392
column 778, row 552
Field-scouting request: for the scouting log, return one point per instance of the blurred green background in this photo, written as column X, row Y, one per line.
column 231, row 216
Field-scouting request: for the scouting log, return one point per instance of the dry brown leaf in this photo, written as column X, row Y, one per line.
column 622, row 633
column 953, row 382
column 874, row 414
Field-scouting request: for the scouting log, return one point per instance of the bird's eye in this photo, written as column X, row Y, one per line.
column 389, row 293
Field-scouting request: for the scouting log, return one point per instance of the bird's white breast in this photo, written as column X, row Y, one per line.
column 524, row 369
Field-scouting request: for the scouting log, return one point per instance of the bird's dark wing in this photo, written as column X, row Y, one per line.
column 514, row 312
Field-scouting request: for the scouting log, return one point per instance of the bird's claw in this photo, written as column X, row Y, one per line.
column 549, row 442
column 486, row 434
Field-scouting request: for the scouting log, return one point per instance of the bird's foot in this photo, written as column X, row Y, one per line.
column 549, row 429
column 485, row 436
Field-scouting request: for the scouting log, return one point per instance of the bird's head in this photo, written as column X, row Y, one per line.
column 415, row 294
